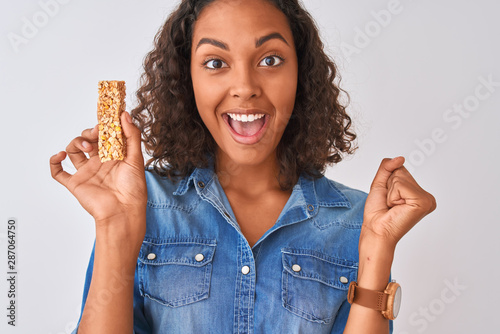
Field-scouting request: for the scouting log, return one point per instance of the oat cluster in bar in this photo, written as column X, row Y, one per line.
column 110, row 105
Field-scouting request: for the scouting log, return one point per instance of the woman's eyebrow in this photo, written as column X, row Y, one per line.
column 274, row 35
column 258, row 42
column 213, row 42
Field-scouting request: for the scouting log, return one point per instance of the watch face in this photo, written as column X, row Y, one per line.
column 397, row 302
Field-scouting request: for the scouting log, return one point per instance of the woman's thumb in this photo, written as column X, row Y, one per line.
column 133, row 139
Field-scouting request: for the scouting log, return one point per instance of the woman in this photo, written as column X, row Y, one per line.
column 233, row 229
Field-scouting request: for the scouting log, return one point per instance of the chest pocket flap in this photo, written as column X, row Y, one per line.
column 176, row 272
column 314, row 285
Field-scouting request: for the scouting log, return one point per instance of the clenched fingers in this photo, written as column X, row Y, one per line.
column 56, row 169
column 92, row 136
column 76, row 151
column 403, row 189
column 85, row 144
column 387, row 166
column 398, row 179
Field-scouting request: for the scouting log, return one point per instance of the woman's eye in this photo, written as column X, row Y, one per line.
column 271, row 61
column 215, row 64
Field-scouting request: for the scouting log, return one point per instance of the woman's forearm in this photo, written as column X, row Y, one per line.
column 375, row 261
column 109, row 305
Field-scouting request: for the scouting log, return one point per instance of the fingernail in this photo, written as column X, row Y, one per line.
column 85, row 144
column 127, row 116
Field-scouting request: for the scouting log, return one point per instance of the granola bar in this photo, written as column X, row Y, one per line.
column 110, row 105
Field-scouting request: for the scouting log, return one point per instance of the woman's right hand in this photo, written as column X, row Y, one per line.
column 112, row 192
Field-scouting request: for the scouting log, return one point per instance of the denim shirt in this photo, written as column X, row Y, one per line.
column 196, row 272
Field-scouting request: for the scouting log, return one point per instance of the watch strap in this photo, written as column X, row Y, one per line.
column 376, row 300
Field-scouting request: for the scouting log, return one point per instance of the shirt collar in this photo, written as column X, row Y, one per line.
column 306, row 188
column 202, row 176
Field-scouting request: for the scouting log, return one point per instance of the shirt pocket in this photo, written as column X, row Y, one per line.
column 314, row 285
column 176, row 272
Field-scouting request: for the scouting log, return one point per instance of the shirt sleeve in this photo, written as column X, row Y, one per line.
column 141, row 325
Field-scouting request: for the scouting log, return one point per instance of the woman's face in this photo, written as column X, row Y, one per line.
column 244, row 72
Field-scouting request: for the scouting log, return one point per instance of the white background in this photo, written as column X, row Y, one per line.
column 403, row 77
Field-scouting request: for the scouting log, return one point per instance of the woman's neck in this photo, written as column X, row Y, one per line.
column 251, row 179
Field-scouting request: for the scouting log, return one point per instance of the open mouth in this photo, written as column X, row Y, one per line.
column 246, row 125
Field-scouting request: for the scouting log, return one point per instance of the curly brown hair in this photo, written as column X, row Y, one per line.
column 174, row 134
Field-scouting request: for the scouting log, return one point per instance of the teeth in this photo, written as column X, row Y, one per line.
column 245, row 118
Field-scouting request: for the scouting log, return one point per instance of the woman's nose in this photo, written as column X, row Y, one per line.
column 244, row 84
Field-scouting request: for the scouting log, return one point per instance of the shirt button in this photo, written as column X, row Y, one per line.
column 343, row 279
column 296, row 268
column 201, row 184
column 245, row 270
column 151, row 256
column 199, row 257
column 310, row 207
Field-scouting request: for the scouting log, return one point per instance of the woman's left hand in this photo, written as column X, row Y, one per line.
column 395, row 203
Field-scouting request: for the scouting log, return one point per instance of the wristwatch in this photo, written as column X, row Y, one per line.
column 387, row 301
